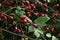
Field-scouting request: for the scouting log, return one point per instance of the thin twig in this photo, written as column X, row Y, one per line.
column 17, row 34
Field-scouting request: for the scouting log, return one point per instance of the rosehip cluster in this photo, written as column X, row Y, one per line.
column 29, row 7
column 4, row 17
column 16, row 30
column 23, row 19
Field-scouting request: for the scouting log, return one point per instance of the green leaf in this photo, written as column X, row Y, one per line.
column 51, row 1
column 48, row 35
column 14, row 22
column 41, row 24
column 20, row 11
column 37, row 32
column 54, row 38
column 48, row 0
column 42, row 19
column 31, row 28
column 29, row 20
column 18, row 8
column 16, row 17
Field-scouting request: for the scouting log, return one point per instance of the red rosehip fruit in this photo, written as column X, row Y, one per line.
column 15, row 29
column 5, row 3
column 52, row 29
column 18, row 30
column 57, row 5
column 45, row 5
column 58, row 35
column 23, row 17
column 1, row 15
column 44, row 1
column 4, row 18
column 0, row 5
column 53, row 16
column 36, row 3
column 28, row 14
column 46, row 28
column 23, row 20
column 29, row 7
column 36, row 14
column 32, row 6
column 22, row 4
column 35, row 25
column 11, row 18
column 26, row 8
column 43, row 15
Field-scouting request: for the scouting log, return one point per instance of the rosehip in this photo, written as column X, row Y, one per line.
column 29, row 7
column 5, row 2
column 1, row 14
column 18, row 30
column 28, row 13
column 36, row 3
column 22, row 4
column 26, row 8
column 46, row 28
column 32, row 6
column 23, row 20
column 4, row 18
column 15, row 29
column 53, row 16
column 11, row 18
column 58, row 35
column 57, row 5
column 52, row 29
column 36, row 14
column 45, row 1
column 45, row 5
column 0, row 5
column 23, row 17
column 35, row 25
column 43, row 15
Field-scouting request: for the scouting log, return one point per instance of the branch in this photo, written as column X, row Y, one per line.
column 17, row 34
